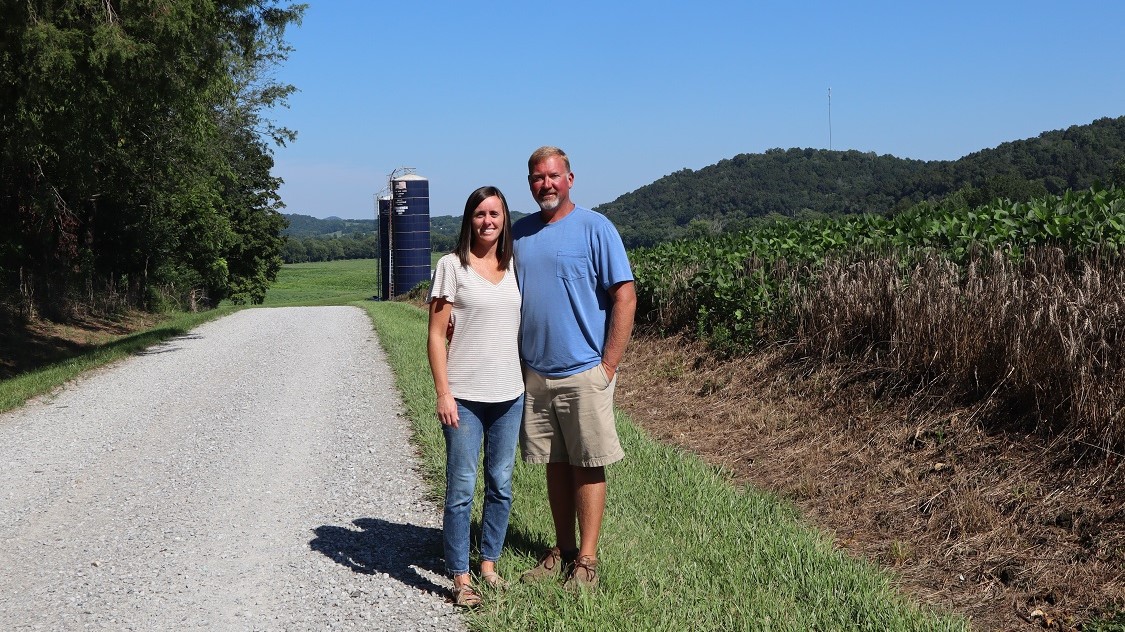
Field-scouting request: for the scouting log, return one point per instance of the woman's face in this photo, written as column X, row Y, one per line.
column 488, row 221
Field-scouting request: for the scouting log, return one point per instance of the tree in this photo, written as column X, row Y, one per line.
column 1117, row 177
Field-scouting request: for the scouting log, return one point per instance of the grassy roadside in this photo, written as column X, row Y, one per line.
column 17, row 390
column 681, row 548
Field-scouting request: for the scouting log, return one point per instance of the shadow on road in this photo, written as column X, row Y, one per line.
column 168, row 345
column 378, row 546
column 29, row 347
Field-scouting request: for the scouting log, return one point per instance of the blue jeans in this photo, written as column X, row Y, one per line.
column 498, row 426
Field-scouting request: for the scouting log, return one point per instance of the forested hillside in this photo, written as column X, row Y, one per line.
column 733, row 193
column 310, row 238
column 308, row 226
column 136, row 155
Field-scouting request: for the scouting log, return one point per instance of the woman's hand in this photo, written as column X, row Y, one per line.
column 447, row 410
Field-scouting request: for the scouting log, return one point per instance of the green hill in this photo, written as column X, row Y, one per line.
column 733, row 193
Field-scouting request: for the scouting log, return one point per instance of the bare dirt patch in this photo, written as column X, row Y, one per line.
column 1006, row 527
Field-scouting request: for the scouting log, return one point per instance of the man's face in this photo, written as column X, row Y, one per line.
column 550, row 183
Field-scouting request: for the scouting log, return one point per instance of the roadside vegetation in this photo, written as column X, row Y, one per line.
column 1021, row 305
column 37, row 358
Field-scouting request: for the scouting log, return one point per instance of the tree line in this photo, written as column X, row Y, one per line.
column 310, row 239
column 330, row 248
column 136, row 152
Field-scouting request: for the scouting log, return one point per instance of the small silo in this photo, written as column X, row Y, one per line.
column 409, row 233
column 384, row 247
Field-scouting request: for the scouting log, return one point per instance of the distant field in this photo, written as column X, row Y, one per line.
column 324, row 283
column 327, row 282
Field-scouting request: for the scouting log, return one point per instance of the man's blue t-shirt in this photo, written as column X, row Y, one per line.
column 564, row 269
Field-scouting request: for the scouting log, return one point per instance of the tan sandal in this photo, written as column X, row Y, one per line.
column 465, row 596
column 494, row 580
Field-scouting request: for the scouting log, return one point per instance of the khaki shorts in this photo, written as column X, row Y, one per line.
column 570, row 419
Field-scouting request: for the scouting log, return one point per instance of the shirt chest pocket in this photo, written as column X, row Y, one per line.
column 572, row 265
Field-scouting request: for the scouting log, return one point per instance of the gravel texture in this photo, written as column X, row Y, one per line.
column 254, row 474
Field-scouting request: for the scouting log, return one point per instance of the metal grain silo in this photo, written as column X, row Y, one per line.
column 409, row 233
column 384, row 247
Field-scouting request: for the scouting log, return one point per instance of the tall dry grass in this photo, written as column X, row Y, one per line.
column 1040, row 339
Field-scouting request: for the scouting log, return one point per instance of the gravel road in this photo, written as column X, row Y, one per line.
column 254, row 474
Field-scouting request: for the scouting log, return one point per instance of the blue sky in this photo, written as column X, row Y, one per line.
column 464, row 91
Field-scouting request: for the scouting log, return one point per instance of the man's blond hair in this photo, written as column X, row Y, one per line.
column 545, row 152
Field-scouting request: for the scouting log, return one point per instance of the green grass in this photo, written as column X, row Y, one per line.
column 681, row 547
column 1115, row 624
column 15, row 391
column 324, row 283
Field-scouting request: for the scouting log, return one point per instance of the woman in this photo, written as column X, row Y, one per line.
column 478, row 382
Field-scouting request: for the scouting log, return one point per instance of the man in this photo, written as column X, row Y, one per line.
column 576, row 320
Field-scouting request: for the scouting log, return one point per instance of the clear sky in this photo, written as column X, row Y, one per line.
column 464, row 91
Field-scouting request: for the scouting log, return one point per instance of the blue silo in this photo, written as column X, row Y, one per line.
column 409, row 233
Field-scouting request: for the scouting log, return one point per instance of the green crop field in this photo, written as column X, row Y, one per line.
column 738, row 289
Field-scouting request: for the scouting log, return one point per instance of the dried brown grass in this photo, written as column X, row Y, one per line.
column 993, row 523
column 1041, row 340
